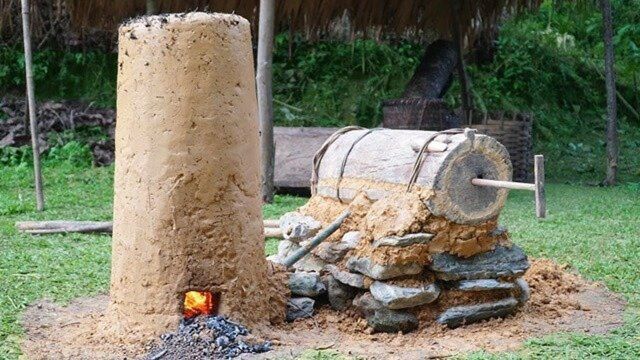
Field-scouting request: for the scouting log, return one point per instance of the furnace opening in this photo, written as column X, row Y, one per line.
column 200, row 303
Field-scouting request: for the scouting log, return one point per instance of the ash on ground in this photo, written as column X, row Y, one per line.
column 206, row 337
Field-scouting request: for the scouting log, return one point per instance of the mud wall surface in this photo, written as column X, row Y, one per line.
column 187, row 207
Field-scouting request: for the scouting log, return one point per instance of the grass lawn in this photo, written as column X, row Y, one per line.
column 595, row 230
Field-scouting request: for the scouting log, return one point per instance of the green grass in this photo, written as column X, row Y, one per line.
column 595, row 230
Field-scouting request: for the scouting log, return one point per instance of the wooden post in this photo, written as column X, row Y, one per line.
column 541, row 200
column 610, row 81
column 31, row 104
column 265, row 95
column 152, row 7
column 465, row 92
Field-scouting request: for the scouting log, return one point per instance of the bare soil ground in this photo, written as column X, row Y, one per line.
column 560, row 302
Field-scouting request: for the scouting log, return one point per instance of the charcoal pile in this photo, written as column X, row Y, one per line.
column 58, row 117
column 206, row 337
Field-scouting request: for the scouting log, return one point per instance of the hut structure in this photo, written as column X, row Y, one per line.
column 458, row 24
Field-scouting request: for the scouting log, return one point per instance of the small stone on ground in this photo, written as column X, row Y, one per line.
column 299, row 308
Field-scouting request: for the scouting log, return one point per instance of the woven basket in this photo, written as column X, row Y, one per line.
column 515, row 133
column 418, row 114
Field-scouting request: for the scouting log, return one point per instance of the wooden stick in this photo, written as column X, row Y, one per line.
column 273, row 233
column 504, row 184
column 541, row 200
column 264, row 79
column 65, row 226
column 57, row 224
column 322, row 236
column 33, row 125
column 271, row 223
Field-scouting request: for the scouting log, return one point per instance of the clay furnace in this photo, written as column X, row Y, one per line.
column 187, row 208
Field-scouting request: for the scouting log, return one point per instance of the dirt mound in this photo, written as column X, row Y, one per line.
column 561, row 301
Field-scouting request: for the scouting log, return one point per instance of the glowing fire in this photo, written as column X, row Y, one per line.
column 198, row 303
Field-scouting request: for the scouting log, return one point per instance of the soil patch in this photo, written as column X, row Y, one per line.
column 561, row 301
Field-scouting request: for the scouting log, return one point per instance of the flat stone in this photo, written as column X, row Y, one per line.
column 524, row 292
column 351, row 239
column 501, row 262
column 483, row 285
column 402, row 241
column 304, row 283
column 392, row 321
column 340, row 295
column 299, row 308
column 347, row 278
column 398, row 297
column 377, row 271
column 310, row 262
column 366, row 304
column 331, row 252
column 462, row 315
column 297, row 227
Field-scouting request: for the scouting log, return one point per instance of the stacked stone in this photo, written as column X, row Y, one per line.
column 452, row 290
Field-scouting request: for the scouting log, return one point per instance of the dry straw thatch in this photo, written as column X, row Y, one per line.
column 315, row 16
column 53, row 20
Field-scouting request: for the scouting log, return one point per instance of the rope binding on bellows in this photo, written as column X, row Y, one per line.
column 317, row 158
column 417, row 165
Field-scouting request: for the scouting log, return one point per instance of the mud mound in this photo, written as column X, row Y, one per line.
column 561, row 301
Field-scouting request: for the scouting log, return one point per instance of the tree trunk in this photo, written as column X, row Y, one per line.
column 384, row 161
column 610, row 80
column 265, row 95
column 433, row 76
column 465, row 93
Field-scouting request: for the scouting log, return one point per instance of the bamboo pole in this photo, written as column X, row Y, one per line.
column 317, row 240
column 264, row 78
column 31, row 104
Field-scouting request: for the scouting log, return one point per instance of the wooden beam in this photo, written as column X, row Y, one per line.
column 264, row 79
column 31, row 102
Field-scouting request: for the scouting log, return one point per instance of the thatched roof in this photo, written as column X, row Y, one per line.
column 315, row 16
column 94, row 21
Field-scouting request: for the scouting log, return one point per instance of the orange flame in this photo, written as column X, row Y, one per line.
column 198, row 303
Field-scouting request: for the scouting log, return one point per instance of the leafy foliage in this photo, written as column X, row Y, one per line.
column 89, row 76
column 336, row 83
